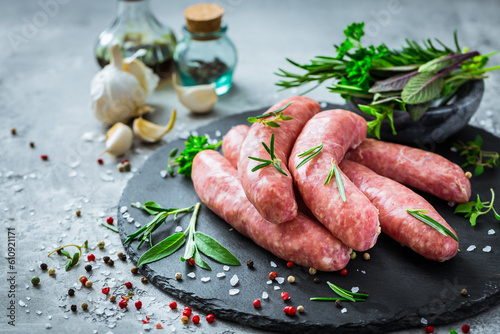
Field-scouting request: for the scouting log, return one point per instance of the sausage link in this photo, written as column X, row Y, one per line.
column 392, row 199
column 413, row 167
column 231, row 144
column 354, row 222
column 267, row 189
column 301, row 240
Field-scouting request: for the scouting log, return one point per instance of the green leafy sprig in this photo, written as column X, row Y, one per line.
column 184, row 161
column 278, row 116
column 274, row 160
column 475, row 209
column 72, row 259
column 420, row 215
column 344, row 295
column 309, row 154
column 170, row 164
column 334, row 171
column 197, row 242
column 475, row 156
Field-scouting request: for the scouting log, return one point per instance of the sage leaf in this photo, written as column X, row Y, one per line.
column 153, row 207
column 75, row 259
column 436, row 64
column 65, row 253
column 416, row 111
column 394, row 83
column 163, row 249
column 111, row 227
column 214, row 250
column 68, row 265
column 422, row 88
column 198, row 260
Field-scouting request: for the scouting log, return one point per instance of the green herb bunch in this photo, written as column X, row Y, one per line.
column 411, row 79
column 184, row 161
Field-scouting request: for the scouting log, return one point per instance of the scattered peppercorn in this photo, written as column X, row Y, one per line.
column 178, row 276
column 71, row 292
column 119, row 254
column 88, row 267
column 250, row 264
column 196, row 319
column 112, row 298
column 465, row 328
column 100, row 161
column 32, row 144
column 256, row 303
column 285, row 296
column 159, row 326
column 468, row 174
column 291, row 279
column 128, row 285
column 312, row 271
column 59, row 251
column 105, row 290
column 35, row 280
column 463, row 292
column 121, row 169
column 187, row 311
column 123, row 257
column 43, row 266
column 127, row 166
column 110, row 220
column 124, row 161
column 100, row 244
column 343, row 272
column 172, row 305
column 73, row 308
column 353, row 255
column 82, row 279
column 134, row 270
column 130, row 294
column 429, row 329
column 88, row 284
column 366, row 256
column 111, row 263
column 190, row 261
column 144, row 280
column 300, row 309
column 316, row 280
column 52, row 271
column 289, row 264
column 44, row 157
column 272, row 275
column 106, row 259
column 138, row 304
column 13, row 131
column 210, row 318
column 85, row 306
column 290, row 310
column 338, row 303
column 91, row 257
column 184, row 319
column 78, row 213
column 123, row 303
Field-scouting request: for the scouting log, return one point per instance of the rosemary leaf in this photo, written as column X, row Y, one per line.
column 309, row 154
column 419, row 214
column 338, row 179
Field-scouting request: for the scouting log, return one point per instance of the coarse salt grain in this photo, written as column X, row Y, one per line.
column 123, row 209
column 233, row 292
column 234, row 280
column 221, row 275
column 163, row 173
column 48, row 326
column 354, row 289
column 491, row 232
column 265, row 295
column 178, row 229
column 487, row 249
column 226, row 268
column 274, row 265
column 280, row 280
column 471, row 248
column 269, row 282
column 191, row 274
column 344, row 310
column 424, row 321
column 205, row 279
column 363, row 272
column 277, row 287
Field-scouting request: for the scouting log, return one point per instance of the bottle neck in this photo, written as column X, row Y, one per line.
column 132, row 9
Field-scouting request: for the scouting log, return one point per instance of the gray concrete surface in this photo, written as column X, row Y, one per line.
column 44, row 93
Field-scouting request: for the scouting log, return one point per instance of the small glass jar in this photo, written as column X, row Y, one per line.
column 138, row 32
column 205, row 55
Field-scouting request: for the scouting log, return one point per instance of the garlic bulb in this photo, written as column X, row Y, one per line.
column 119, row 139
column 119, row 91
column 150, row 132
column 198, row 99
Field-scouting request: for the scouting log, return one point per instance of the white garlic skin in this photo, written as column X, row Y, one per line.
column 119, row 139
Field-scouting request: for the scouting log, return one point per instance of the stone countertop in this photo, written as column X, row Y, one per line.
column 47, row 65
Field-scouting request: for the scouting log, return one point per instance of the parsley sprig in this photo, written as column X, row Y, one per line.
column 475, row 156
column 184, row 161
column 274, row 160
column 344, row 295
column 475, row 209
column 278, row 116
column 421, row 215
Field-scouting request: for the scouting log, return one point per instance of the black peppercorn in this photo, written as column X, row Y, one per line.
column 338, row 303
column 250, row 264
column 134, row 270
column 105, row 259
column 59, row 251
column 316, row 280
column 43, row 266
column 111, row 263
column 144, row 280
column 88, row 267
column 123, row 257
column 71, row 292
column 73, row 308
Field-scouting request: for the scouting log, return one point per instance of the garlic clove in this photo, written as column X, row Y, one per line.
column 146, row 77
column 119, row 139
column 150, row 132
column 198, row 99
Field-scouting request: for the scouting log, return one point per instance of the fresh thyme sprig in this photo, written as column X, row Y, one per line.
column 345, row 295
column 334, row 171
column 309, row 154
column 473, row 210
column 72, row 260
column 278, row 116
column 472, row 150
column 274, row 160
column 420, row 215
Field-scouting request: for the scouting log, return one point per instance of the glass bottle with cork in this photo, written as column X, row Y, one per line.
column 205, row 55
column 139, row 34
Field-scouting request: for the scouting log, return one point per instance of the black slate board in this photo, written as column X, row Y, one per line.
column 403, row 286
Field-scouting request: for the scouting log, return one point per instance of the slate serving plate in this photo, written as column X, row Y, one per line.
column 403, row 286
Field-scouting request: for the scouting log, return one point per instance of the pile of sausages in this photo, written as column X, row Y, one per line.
column 300, row 218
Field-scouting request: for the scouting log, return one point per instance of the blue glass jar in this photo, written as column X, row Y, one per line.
column 205, row 54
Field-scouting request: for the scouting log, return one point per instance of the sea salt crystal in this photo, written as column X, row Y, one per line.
column 27, row 311
column 491, row 232
column 424, row 321
column 123, row 209
column 363, row 272
column 453, row 149
column 471, row 248
column 73, row 173
column 322, row 104
column 234, row 280
column 163, row 173
column 221, row 275
column 194, row 133
column 269, row 282
column 49, row 317
column 277, row 287
column 137, row 224
column 17, row 188
column 191, row 274
column 265, row 295
column 205, row 279
column 106, row 177
column 226, row 268
column 233, row 292
column 22, row 304
column 354, row 289
column 280, row 280
column 130, row 219
column 126, row 215
column 487, row 249
column 274, row 265
column 344, row 310
column 218, row 133
column 178, row 229
column 39, row 312
column 48, row 326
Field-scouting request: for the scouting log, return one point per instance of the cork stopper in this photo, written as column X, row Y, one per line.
column 203, row 18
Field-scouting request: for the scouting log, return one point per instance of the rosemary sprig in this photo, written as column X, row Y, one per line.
column 309, row 154
column 72, row 260
column 420, row 215
column 338, row 179
column 278, row 116
column 345, row 295
column 475, row 156
column 473, row 210
column 274, row 160
column 111, row 227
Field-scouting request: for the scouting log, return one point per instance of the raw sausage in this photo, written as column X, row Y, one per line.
column 413, row 167
column 301, row 240
column 232, row 143
column 355, row 222
column 392, row 199
column 267, row 189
